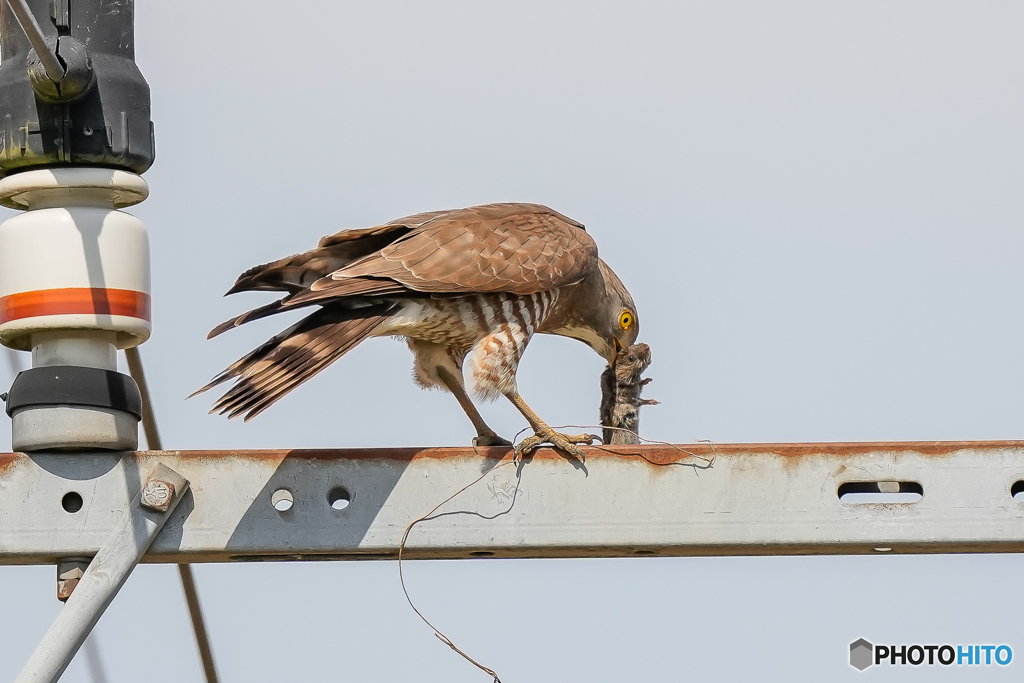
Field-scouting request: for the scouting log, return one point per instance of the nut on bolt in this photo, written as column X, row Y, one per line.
column 69, row 573
column 157, row 495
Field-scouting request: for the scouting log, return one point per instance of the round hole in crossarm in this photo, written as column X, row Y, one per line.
column 1017, row 491
column 643, row 552
column 71, row 502
column 482, row 553
column 282, row 500
column 339, row 498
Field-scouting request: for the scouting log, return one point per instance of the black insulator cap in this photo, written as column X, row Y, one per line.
column 73, row 385
column 98, row 114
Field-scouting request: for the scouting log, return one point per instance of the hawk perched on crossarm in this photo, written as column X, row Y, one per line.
column 476, row 282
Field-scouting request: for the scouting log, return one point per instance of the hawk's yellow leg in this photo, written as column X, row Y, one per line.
column 485, row 436
column 545, row 434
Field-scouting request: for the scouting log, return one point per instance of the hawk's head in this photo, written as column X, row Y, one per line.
column 614, row 318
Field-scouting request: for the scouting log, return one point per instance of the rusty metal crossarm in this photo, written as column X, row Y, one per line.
column 755, row 499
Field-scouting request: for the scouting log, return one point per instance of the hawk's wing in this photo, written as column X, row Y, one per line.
column 297, row 272
column 516, row 248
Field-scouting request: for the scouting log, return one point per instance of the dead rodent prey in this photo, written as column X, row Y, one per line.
column 621, row 385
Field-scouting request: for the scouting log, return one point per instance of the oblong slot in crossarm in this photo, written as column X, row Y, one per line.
column 861, row 492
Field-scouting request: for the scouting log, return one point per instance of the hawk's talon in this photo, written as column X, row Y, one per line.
column 563, row 442
column 525, row 447
column 490, row 439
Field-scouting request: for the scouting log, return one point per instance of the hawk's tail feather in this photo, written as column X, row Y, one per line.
column 355, row 287
column 288, row 359
column 301, row 356
column 268, row 381
column 255, row 314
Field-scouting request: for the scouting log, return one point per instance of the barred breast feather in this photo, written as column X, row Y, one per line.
column 492, row 329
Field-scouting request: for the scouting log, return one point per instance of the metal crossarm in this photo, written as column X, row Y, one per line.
column 754, row 499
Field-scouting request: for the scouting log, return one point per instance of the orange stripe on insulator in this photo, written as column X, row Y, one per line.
column 75, row 300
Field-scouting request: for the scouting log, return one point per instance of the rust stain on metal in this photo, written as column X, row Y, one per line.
column 8, row 460
column 655, row 454
column 65, row 588
column 933, row 448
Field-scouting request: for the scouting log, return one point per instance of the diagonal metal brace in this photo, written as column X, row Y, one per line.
column 109, row 569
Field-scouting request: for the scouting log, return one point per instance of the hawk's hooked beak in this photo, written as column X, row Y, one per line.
column 616, row 347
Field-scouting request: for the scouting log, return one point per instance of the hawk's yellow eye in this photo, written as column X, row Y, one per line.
column 625, row 320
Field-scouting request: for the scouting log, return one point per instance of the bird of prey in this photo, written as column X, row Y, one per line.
column 476, row 282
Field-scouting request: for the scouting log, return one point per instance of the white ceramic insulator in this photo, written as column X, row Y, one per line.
column 86, row 348
column 72, row 261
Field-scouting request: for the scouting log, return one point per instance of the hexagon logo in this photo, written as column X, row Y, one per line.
column 861, row 654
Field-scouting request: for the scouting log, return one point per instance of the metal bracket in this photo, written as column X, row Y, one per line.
column 114, row 561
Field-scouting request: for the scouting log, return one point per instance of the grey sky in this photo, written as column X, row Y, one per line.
column 817, row 207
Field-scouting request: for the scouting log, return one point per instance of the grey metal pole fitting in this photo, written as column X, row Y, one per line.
column 44, row 53
column 59, row 67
